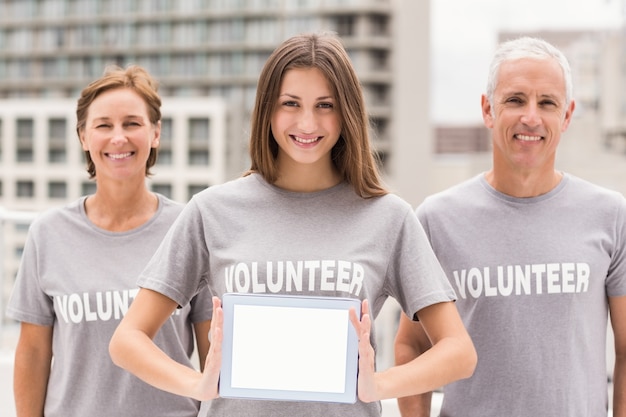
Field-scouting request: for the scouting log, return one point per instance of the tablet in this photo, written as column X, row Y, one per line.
column 289, row 347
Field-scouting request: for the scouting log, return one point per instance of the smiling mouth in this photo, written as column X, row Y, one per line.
column 305, row 140
column 119, row 155
column 527, row 138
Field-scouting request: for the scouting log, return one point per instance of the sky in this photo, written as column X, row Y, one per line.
column 464, row 35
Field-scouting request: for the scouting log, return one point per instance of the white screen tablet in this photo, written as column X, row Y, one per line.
column 288, row 347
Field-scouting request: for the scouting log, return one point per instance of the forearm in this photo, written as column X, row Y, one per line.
column 135, row 352
column 450, row 359
column 30, row 382
column 414, row 405
column 619, row 387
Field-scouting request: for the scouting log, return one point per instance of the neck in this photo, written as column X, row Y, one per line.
column 524, row 185
column 119, row 210
column 307, row 178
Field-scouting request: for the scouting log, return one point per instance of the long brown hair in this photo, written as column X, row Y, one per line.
column 352, row 155
column 133, row 77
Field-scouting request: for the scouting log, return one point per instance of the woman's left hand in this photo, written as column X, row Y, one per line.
column 367, row 388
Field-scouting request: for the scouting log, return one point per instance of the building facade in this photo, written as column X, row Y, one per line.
column 207, row 55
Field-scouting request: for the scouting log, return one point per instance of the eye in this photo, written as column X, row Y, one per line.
column 548, row 103
column 325, row 105
column 514, row 100
column 102, row 126
column 290, row 103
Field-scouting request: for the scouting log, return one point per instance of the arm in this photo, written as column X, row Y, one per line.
column 133, row 349
column 411, row 341
column 452, row 356
column 617, row 306
column 201, row 331
column 33, row 357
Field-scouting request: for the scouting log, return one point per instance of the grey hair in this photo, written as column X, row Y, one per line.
column 527, row 47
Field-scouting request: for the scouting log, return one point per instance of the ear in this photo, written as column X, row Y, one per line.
column 156, row 140
column 487, row 111
column 83, row 142
column 568, row 115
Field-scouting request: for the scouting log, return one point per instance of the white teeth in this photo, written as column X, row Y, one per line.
column 302, row 140
column 119, row 155
column 528, row 138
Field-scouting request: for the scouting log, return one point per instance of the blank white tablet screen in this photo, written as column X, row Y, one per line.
column 289, row 348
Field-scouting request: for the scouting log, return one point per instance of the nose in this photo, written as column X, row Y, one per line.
column 307, row 122
column 531, row 115
column 119, row 135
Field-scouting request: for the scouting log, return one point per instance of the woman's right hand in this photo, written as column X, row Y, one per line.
column 207, row 389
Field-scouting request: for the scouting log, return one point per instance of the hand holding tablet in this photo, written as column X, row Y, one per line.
column 288, row 347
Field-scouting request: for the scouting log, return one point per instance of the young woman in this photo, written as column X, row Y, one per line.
column 313, row 194
column 80, row 265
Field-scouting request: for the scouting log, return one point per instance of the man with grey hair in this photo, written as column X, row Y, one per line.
column 537, row 258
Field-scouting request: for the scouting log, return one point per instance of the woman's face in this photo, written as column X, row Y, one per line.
column 306, row 123
column 119, row 135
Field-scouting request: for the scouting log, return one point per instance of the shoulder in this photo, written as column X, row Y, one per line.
column 454, row 195
column 54, row 215
column 232, row 188
column 586, row 192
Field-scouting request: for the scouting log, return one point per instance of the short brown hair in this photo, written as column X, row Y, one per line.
column 352, row 154
column 133, row 77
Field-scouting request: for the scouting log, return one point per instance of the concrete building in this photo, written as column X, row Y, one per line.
column 216, row 48
column 207, row 55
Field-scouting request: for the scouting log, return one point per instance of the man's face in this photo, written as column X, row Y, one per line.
column 528, row 115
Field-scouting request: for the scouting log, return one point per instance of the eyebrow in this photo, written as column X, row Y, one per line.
column 297, row 97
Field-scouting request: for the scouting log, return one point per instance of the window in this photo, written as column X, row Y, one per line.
column 193, row 189
column 25, row 189
column 380, row 60
column 57, row 133
column 379, row 25
column 87, row 188
column 344, row 26
column 199, row 157
column 199, row 129
column 25, row 138
column 57, row 189
column 165, row 147
column 198, row 141
column 165, row 189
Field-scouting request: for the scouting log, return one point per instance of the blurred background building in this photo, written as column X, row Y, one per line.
column 207, row 55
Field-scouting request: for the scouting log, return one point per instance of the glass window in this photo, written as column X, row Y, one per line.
column 380, row 60
column 379, row 25
column 193, row 189
column 57, row 189
column 198, row 157
column 50, row 39
column 52, row 8
column 25, row 189
column 344, row 26
column 25, row 139
column 165, row 189
column 87, row 188
column 57, row 137
column 25, row 128
column 20, row 39
column 164, row 157
column 117, row 34
column 50, row 68
column 199, row 129
column 57, row 129
column 166, row 131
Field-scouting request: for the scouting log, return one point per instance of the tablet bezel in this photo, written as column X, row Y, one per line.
column 229, row 303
